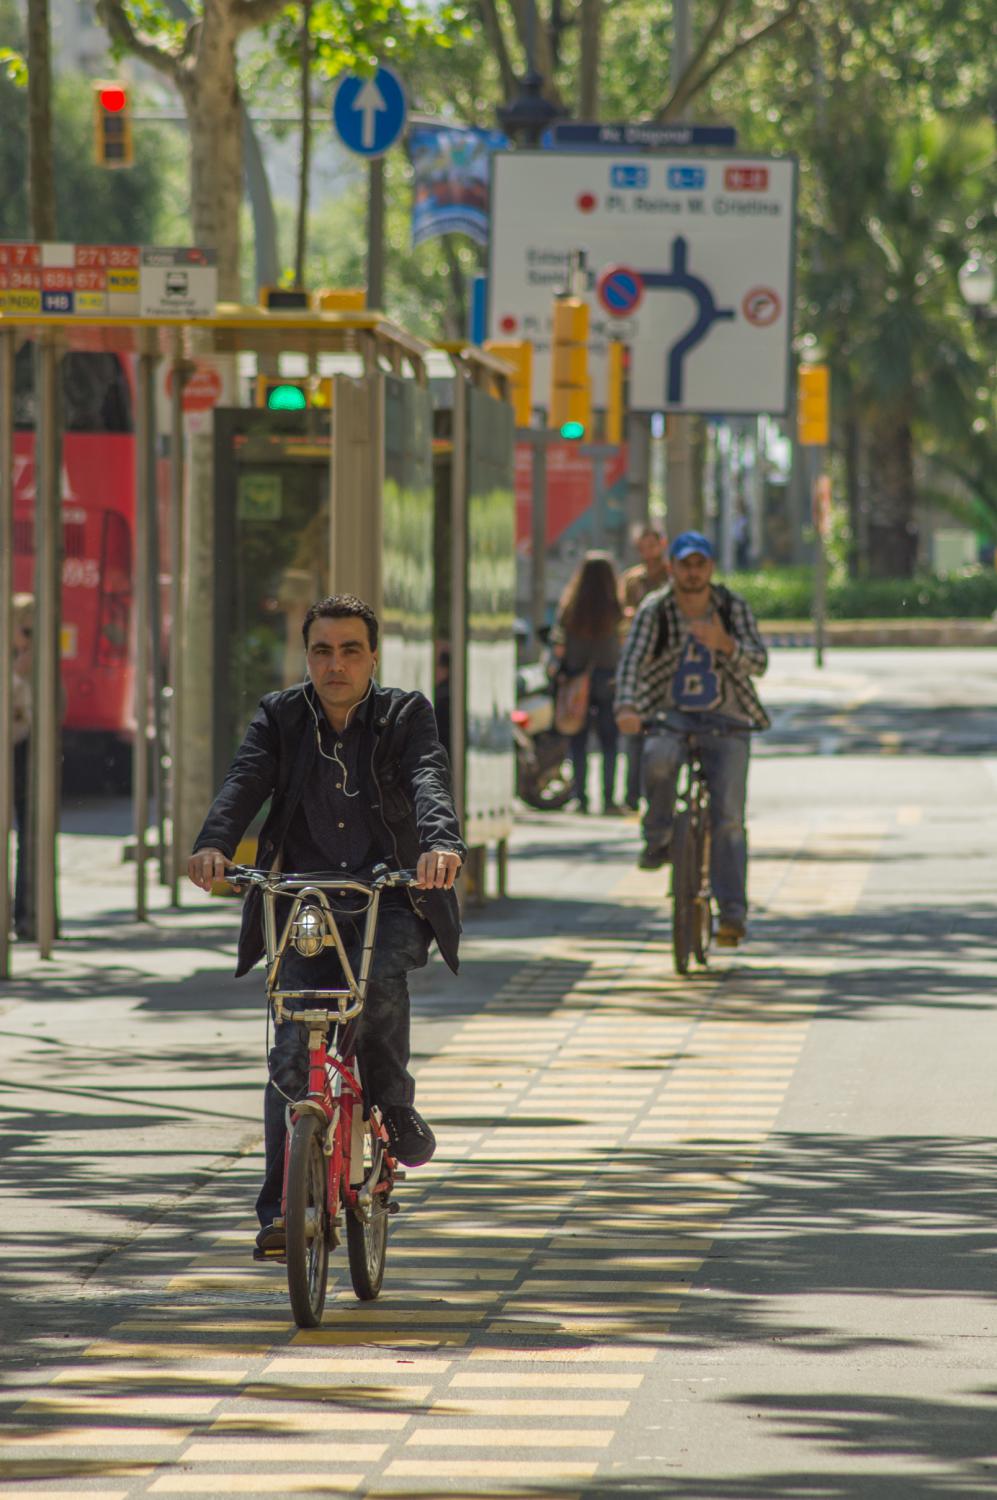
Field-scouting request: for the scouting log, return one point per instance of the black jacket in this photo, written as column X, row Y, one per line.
column 405, row 777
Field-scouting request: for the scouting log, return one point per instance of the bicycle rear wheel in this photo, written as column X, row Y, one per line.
column 684, row 879
column 704, row 904
column 367, row 1231
column 307, row 1221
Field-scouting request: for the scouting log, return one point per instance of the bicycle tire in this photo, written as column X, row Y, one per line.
column 704, row 904
column 307, row 1222
column 367, row 1238
column 683, row 892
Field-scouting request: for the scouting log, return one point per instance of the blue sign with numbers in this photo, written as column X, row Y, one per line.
column 687, row 179
column 369, row 114
column 627, row 176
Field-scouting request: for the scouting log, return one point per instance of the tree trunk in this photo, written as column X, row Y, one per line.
column 590, row 44
column 211, row 98
column 41, row 171
column 892, row 529
column 456, row 312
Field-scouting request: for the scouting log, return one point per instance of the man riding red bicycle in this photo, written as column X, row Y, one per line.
column 356, row 777
column 686, row 670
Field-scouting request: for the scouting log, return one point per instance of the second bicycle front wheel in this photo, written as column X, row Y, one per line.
column 307, row 1222
column 684, row 884
column 367, row 1233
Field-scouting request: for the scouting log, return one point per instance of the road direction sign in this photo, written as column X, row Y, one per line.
column 369, row 113
column 709, row 240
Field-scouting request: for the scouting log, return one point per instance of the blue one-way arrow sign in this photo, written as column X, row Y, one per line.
column 369, row 113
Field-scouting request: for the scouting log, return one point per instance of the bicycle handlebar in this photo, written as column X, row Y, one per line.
column 286, row 882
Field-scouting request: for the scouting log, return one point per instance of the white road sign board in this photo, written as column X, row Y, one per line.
column 703, row 246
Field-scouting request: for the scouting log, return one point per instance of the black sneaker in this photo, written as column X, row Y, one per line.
column 651, row 858
column 271, row 1242
column 411, row 1139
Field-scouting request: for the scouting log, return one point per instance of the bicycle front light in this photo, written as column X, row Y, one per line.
column 308, row 932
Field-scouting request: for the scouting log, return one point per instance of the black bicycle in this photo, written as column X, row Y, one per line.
column 692, row 898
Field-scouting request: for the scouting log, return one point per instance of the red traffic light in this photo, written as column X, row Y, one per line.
column 112, row 99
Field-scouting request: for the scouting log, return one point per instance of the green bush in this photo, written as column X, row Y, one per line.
column 787, row 594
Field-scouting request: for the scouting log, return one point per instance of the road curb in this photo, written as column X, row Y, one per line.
column 882, row 632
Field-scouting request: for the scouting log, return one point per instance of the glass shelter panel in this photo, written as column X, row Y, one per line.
column 407, row 539
column 491, row 591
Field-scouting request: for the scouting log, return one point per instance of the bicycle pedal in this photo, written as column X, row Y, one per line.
column 393, row 1207
column 398, row 1175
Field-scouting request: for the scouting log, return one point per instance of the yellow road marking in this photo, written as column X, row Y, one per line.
column 279, row 1450
column 511, row 1437
column 488, row 1468
column 325, row 1482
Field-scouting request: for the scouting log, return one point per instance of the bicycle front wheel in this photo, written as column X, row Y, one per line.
column 307, row 1221
column 367, row 1229
column 684, row 885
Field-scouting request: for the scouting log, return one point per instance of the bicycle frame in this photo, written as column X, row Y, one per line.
column 334, row 1090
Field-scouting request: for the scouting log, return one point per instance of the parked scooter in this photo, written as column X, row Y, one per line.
column 544, row 776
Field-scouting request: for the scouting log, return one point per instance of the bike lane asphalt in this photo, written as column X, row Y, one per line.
column 721, row 1237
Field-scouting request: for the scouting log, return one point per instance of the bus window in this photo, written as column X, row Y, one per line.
column 95, row 393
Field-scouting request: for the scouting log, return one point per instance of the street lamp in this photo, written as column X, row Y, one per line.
column 526, row 118
column 976, row 281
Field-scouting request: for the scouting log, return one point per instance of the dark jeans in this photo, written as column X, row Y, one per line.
column 635, row 757
column 382, row 1035
column 601, row 696
column 725, row 765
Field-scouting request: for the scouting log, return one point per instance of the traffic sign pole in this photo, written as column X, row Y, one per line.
column 375, row 233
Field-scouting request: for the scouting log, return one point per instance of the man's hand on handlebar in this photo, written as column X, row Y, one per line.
column 207, row 866
column 437, row 870
column 629, row 722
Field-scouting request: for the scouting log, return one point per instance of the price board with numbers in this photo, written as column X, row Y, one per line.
column 109, row 281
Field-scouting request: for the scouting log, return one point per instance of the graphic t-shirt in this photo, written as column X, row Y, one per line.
column 696, row 686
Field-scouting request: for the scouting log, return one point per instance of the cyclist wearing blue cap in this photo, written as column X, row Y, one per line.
column 686, row 669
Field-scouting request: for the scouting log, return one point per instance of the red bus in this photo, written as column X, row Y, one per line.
column 98, row 509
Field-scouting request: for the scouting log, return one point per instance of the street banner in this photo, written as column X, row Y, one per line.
column 690, row 259
column 452, row 166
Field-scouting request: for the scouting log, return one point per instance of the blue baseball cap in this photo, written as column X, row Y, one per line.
column 689, row 542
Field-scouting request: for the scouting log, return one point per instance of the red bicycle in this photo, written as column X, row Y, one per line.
column 337, row 1166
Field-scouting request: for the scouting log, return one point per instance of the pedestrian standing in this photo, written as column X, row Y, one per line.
column 586, row 639
column 651, row 573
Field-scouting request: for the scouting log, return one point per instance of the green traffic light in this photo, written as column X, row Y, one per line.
column 287, row 398
column 572, row 431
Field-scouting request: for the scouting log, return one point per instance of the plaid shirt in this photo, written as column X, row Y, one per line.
column 644, row 680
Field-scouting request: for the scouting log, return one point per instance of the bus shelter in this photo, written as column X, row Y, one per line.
column 473, row 457
column 243, row 514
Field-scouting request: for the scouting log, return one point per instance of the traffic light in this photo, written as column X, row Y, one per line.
column 570, row 399
column 283, row 393
column 615, row 404
column 519, row 354
column 813, row 419
column 112, row 125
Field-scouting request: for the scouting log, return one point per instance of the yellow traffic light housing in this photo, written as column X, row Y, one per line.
column 813, row 406
column 285, row 298
column 112, row 125
column 519, row 354
column 570, row 396
column 615, row 404
column 341, row 299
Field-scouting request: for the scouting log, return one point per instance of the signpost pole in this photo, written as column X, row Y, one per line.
column 178, row 574
column 820, row 486
column 375, row 233
column 144, row 427
column 538, row 532
column 44, row 772
column 7, row 349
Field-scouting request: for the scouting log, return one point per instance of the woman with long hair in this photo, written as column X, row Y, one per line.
column 586, row 638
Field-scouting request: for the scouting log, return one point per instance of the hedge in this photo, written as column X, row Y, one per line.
column 787, row 594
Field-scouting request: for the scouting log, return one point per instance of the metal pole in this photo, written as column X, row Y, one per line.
column 144, row 429
column 375, row 234
column 44, row 777
column 7, row 351
column 177, row 575
column 538, row 532
column 679, row 495
column 159, row 737
column 458, row 591
column 820, row 556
